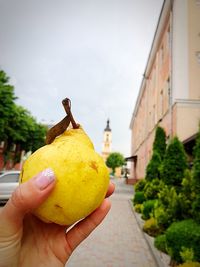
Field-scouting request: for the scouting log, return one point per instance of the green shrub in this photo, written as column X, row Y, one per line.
column 138, row 198
column 167, row 209
column 151, row 228
column 138, row 208
column 152, row 189
column 147, row 209
column 184, row 234
column 160, row 243
column 196, row 179
column 196, row 165
column 139, row 186
column 153, row 167
column 187, row 195
column 189, row 264
column 174, row 164
column 159, row 143
column 196, row 209
column 187, row 254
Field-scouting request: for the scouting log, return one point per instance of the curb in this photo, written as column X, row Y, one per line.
column 157, row 255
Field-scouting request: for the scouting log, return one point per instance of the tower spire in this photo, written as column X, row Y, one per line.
column 107, row 129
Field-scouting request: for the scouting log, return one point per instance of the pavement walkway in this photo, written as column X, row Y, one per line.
column 118, row 241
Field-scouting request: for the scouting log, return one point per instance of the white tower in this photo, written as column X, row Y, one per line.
column 107, row 141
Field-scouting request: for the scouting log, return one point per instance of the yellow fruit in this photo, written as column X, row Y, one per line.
column 82, row 177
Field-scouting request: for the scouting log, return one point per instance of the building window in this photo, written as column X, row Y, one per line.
column 150, row 121
column 168, row 92
column 161, row 55
column 161, row 104
column 168, row 39
column 154, row 114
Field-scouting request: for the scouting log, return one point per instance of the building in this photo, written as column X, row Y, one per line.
column 169, row 94
column 107, row 141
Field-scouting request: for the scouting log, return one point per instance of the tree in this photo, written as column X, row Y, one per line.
column 196, row 178
column 17, row 126
column 153, row 167
column 7, row 105
column 159, row 144
column 159, row 148
column 174, row 164
column 115, row 160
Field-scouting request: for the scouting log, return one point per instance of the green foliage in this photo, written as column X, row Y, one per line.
column 115, row 160
column 196, row 179
column 138, row 198
column 138, row 208
column 189, row 264
column 6, row 105
column 196, row 165
column 187, row 254
column 196, row 208
column 139, row 186
column 159, row 144
column 153, row 167
column 160, row 243
column 159, row 148
column 151, row 228
column 17, row 126
column 147, row 209
column 186, row 195
column 184, row 234
column 174, row 164
column 167, row 209
column 152, row 189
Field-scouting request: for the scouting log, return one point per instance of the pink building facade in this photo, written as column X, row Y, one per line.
column 169, row 94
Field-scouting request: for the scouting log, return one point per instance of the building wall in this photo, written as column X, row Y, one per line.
column 194, row 48
column 180, row 80
column 170, row 92
column 153, row 107
column 186, row 68
column 187, row 119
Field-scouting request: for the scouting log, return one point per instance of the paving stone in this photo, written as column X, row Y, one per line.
column 118, row 241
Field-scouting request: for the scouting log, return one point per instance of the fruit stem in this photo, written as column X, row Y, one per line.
column 67, row 106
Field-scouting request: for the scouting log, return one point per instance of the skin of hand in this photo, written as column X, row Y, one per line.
column 26, row 241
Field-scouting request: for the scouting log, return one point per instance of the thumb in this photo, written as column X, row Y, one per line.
column 25, row 198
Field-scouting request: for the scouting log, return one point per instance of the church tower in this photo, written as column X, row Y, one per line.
column 107, row 141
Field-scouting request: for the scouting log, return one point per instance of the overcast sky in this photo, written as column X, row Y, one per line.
column 91, row 51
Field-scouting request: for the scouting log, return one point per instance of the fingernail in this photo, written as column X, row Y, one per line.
column 45, row 178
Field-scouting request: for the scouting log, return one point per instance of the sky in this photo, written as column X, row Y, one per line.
column 91, row 51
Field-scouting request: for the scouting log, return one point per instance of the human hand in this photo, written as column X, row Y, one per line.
column 27, row 241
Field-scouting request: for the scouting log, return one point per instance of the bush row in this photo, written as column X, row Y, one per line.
column 169, row 200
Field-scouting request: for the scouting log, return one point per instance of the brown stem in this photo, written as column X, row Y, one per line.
column 67, row 106
column 61, row 126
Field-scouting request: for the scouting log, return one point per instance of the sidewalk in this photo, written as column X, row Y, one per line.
column 118, row 241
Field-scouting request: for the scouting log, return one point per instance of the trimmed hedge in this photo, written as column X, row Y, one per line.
column 151, row 228
column 147, row 209
column 183, row 235
column 139, row 186
column 138, row 198
column 160, row 243
column 138, row 208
